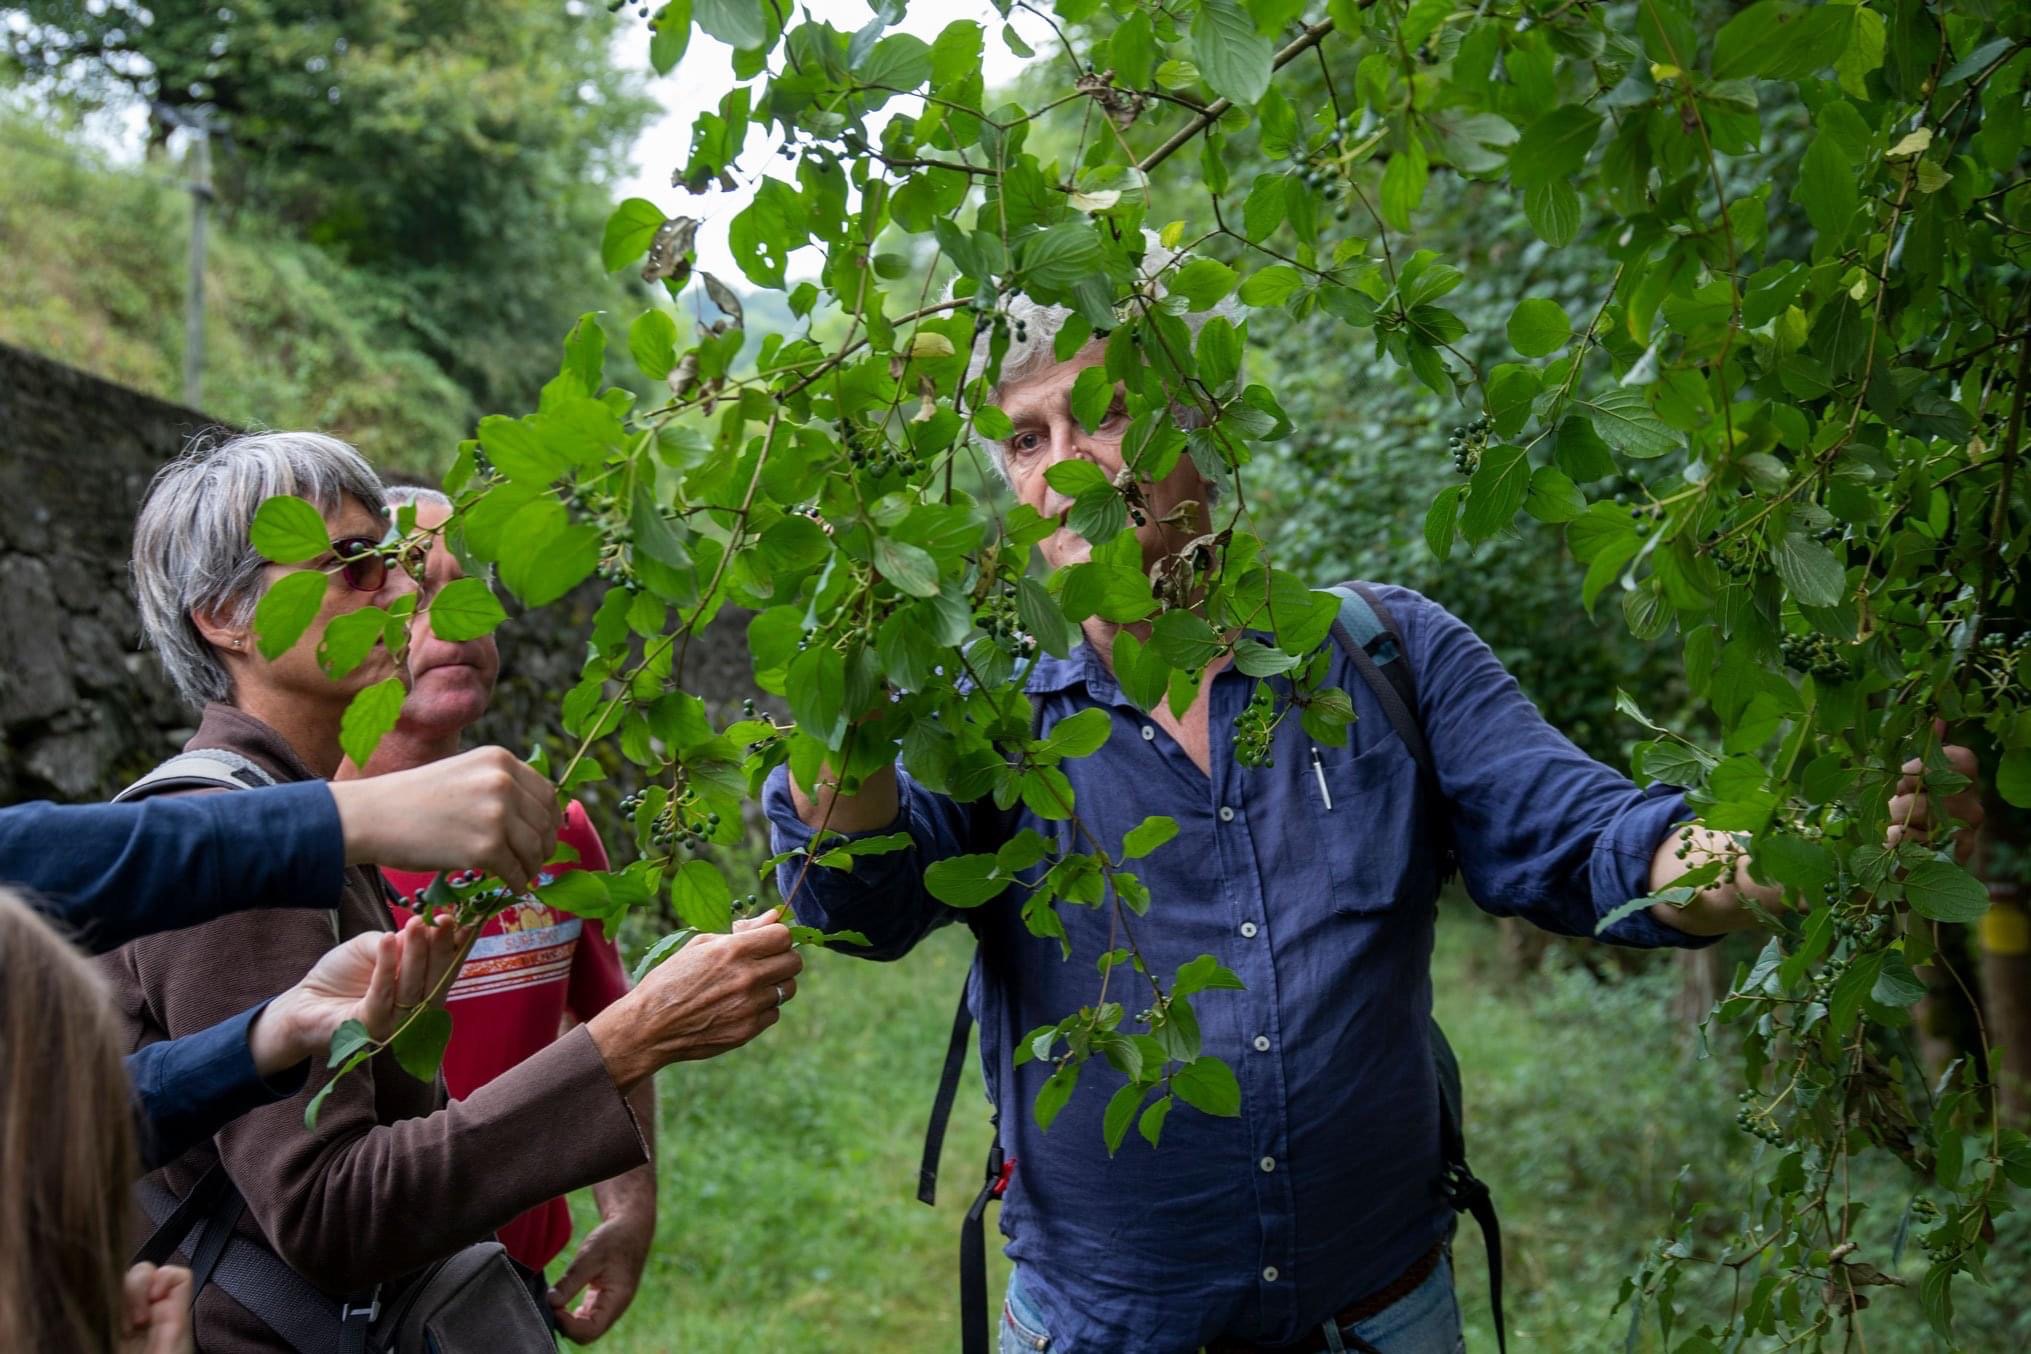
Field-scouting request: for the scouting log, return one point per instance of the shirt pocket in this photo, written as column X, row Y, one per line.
column 1371, row 829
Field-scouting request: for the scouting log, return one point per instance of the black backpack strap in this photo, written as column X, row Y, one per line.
column 973, row 1322
column 941, row 1107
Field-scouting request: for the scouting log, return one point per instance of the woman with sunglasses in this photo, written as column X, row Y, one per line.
column 393, row 1178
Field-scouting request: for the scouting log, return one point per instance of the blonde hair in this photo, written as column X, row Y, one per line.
column 67, row 1152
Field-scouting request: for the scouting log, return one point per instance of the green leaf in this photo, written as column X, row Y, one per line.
column 288, row 530
column 662, row 950
column 1555, row 146
column 1809, row 570
column 2013, row 777
column 1537, row 327
column 628, row 232
column 1943, row 891
column 910, row 568
column 1896, row 984
column 1092, row 395
column 1496, row 491
column 900, row 61
column 965, row 881
column 669, row 35
column 1827, row 189
column 1074, row 477
column 1271, row 286
column 371, row 713
column 286, row 611
column 1231, row 55
column 1185, row 640
column 1553, row 210
column 419, row 1048
column 464, row 609
column 1060, row 257
column 1553, row 497
column 655, row 535
column 349, row 1038
column 737, row 23
column 1439, row 520
column 348, row 639
column 1121, row 1108
column 1623, row 419
column 1055, row 1092
column 1203, row 974
column 700, row 896
column 1147, row 836
column 652, row 341
column 1204, row 283
column 1208, row 1085
column 1081, row 734
column 562, row 561
column 312, row 1110
column 1151, row 1125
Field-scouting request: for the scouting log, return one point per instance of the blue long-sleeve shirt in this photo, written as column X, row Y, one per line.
column 108, row 873
column 1325, row 1187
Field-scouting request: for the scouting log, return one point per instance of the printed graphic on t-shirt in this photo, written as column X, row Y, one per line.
column 534, row 946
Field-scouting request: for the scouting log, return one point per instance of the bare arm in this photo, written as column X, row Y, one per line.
column 875, row 807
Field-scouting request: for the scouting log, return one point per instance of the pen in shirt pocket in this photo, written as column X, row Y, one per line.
column 1319, row 771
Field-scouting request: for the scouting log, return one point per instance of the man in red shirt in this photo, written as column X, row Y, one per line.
column 532, row 970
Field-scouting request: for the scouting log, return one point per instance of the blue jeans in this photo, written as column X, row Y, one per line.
column 1424, row 1321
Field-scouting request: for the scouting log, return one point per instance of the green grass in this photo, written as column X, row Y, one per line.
column 788, row 1169
column 96, row 266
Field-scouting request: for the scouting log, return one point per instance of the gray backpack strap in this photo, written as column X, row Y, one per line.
column 209, row 769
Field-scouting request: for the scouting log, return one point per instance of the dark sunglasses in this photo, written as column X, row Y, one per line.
column 363, row 562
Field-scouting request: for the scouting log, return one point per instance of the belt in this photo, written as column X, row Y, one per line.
column 1376, row 1303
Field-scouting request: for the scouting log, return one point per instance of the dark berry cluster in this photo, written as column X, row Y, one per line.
column 1467, row 442
column 1823, row 656
column 998, row 618
column 1322, row 168
column 1734, row 556
column 877, row 455
column 1755, row 1124
column 1255, row 729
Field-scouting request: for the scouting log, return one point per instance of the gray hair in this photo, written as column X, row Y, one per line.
column 1039, row 324
column 400, row 495
column 191, row 549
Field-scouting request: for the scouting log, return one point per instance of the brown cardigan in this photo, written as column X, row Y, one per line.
column 396, row 1175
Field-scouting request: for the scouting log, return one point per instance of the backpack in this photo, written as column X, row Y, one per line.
column 1368, row 634
column 475, row 1301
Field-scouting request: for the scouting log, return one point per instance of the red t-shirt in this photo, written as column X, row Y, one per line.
column 530, row 967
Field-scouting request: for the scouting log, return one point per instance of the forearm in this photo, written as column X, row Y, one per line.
column 115, row 872
column 186, row 1090
column 1719, row 907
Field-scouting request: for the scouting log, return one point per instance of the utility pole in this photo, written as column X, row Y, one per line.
column 198, row 160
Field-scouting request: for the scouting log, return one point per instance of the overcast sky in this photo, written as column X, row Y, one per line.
column 706, row 74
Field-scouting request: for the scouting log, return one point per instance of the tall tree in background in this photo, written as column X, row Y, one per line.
column 461, row 151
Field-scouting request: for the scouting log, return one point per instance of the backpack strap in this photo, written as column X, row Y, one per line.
column 206, row 769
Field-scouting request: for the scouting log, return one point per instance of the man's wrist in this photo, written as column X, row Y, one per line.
column 612, row 1035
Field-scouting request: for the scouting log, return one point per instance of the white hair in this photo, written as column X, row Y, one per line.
column 1036, row 351
column 191, row 547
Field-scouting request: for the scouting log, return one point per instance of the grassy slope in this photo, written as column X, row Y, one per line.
column 94, row 275
column 789, row 1222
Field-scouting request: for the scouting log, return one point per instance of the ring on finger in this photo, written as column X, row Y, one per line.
column 779, row 994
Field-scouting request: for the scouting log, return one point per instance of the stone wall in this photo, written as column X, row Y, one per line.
column 83, row 707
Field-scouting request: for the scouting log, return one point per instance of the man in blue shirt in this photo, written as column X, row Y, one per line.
column 1312, row 1220
column 107, row 873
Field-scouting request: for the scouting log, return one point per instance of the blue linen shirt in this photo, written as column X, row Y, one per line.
column 1326, row 1186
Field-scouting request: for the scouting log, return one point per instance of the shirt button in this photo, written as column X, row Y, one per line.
column 1148, row 733
column 1248, row 929
column 1268, row 1164
column 1226, row 814
column 1262, row 1043
column 1269, row 1274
